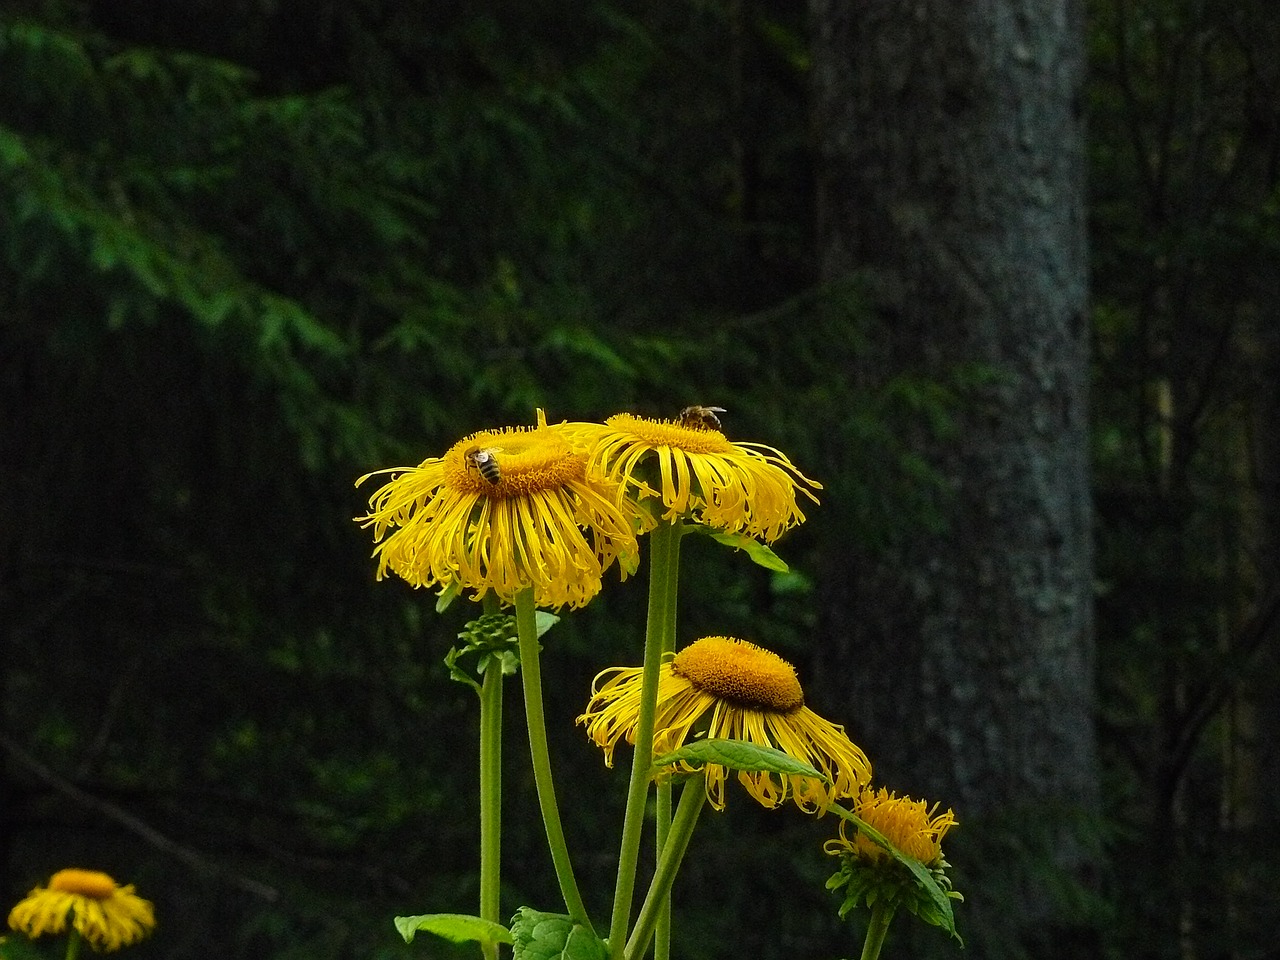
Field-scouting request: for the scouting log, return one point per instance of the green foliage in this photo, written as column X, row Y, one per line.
column 16, row 947
column 456, row 927
column 758, row 553
column 247, row 256
column 551, row 936
column 1185, row 233
column 737, row 755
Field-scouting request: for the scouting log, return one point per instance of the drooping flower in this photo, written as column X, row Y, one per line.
column 108, row 916
column 910, row 825
column 869, row 875
column 502, row 510
column 688, row 469
column 732, row 689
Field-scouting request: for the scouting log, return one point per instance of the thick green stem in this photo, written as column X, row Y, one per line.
column 73, row 944
column 692, row 798
column 664, row 551
column 876, row 930
column 491, row 796
column 531, row 675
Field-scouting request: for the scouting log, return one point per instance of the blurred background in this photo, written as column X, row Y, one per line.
column 1002, row 277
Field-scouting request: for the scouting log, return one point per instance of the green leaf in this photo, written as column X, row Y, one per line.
column 456, row 927
column 447, row 595
column 508, row 662
column 757, row 551
column 739, row 755
column 457, row 672
column 553, row 936
column 937, row 898
column 545, row 621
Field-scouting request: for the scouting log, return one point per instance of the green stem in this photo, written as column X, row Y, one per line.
column 491, row 796
column 531, row 675
column 73, row 944
column 878, row 926
column 662, row 932
column 664, row 551
column 692, row 798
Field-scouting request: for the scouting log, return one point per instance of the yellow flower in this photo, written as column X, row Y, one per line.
column 915, row 829
column 106, row 915
column 869, row 875
column 746, row 693
column 503, row 510
column 699, row 474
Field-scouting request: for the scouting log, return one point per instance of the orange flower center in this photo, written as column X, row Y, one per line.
column 87, row 883
column 668, row 433
column 512, row 463
column 741, row 673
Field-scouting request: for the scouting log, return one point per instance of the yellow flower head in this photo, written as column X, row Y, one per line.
column 911, row 826
column 107, row 916
column 503, row 510
column 699, row 474
column 744, row 692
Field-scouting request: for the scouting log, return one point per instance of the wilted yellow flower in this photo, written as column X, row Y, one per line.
column 503, row 510
column 689, row 468
column 910, row 825
column 744, row 692
column 106, row 915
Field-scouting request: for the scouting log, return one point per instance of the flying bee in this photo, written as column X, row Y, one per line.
column 700, row 418
column 485, row 462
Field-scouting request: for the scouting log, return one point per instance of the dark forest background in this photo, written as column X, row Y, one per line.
column 251, row 250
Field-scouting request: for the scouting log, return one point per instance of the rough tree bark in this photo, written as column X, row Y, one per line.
column 951, row 167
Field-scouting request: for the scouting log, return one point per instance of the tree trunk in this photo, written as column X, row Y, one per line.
column 951, row 169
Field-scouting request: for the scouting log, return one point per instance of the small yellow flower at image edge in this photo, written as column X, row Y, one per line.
column 105, row 914
column 699, row 474
column 746, row 693
column 502, row 510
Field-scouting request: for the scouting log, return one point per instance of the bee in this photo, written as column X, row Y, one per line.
column 700, row 418
column 485, row 462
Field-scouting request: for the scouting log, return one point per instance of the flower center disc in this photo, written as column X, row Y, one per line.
column 668, row 433
column 740, row 672
column 523, row 461
column 87, row 883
